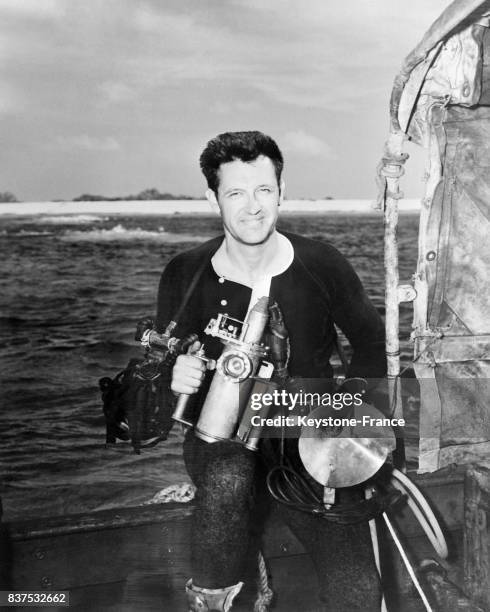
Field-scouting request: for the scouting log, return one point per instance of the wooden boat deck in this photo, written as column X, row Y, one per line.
column 146, row 592
column 150, row 547
column 137, row 559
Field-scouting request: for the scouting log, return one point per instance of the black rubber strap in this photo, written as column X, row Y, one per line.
column 326, row 297
column 190, row 290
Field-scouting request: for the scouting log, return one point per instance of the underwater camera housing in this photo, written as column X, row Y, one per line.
column 240, row 368
column 137, row 402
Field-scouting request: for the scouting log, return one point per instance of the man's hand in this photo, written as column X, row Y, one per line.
column 188, row 371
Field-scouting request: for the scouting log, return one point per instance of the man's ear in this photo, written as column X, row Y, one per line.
column 282, row 188
column 213, row 202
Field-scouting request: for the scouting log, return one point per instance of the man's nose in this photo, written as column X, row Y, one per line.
column 253, row 204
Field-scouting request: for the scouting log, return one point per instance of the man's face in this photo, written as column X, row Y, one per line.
column 248, row 199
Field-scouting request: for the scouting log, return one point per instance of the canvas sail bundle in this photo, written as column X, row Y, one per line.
column 441, row 100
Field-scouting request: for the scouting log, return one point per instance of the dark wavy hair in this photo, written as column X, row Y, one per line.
column 243, row 146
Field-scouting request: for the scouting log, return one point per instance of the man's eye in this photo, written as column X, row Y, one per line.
column 265, row 190
column 234, row 194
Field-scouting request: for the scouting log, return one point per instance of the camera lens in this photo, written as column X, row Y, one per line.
column 235, row 366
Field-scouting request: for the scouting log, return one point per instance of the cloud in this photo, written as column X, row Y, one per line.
column 155, row 20
column 306, row 145
column 327, row 56
column 37, row 9
column 245, row 107
column 87, row 143
column 116, row 92
column 161, row 76
column 10, row 101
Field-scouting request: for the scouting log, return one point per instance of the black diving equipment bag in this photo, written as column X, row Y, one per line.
column 138, row 402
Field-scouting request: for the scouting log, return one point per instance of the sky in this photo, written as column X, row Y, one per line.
column 115, row 96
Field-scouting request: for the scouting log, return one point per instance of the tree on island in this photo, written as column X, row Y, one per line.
column 151, row 194
column 7, row 197
column 87, row 197
column 146, row 194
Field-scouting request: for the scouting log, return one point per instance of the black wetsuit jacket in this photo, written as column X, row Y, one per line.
column 318, row 289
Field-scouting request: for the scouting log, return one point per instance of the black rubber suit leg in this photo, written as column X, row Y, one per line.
column 343, row 559
column 224, row 474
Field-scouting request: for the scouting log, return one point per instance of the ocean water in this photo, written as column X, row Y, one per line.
column 72, row 288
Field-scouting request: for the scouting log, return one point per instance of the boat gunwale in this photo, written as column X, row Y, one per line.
column 135, row 516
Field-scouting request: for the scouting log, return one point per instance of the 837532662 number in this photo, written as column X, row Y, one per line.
column 34, row 598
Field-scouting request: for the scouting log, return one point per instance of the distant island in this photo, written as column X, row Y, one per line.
column 152, row 194
column 147, row 194
column 6, row 197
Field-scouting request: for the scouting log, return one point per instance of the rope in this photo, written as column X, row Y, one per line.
column 398, row 376
column 264, row 592
column 396, row 161
column 393, row 160
column 407, row 563
column 292, row 489
column 182, row 493
column 374, row 539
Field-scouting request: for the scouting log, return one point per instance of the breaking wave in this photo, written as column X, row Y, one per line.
column 121, row 233
column 30, row 233
column 70, row 219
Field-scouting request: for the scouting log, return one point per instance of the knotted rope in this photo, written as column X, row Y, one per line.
column 182, row 493
column 390, row 167
column 264, row 592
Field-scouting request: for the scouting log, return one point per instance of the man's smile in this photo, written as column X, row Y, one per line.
column 253, row 220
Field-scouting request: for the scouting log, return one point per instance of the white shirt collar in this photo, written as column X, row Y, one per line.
column 282, row 262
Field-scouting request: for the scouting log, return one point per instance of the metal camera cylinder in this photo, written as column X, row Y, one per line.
column 248, row 432
column 180, row 411
column 232, row 382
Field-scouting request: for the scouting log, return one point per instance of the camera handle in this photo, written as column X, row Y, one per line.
column 180, row 408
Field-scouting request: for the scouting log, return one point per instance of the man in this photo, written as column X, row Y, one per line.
column 315, row 288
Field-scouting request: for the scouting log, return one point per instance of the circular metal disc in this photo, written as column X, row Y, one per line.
column 351, row 457
column 234, row 365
